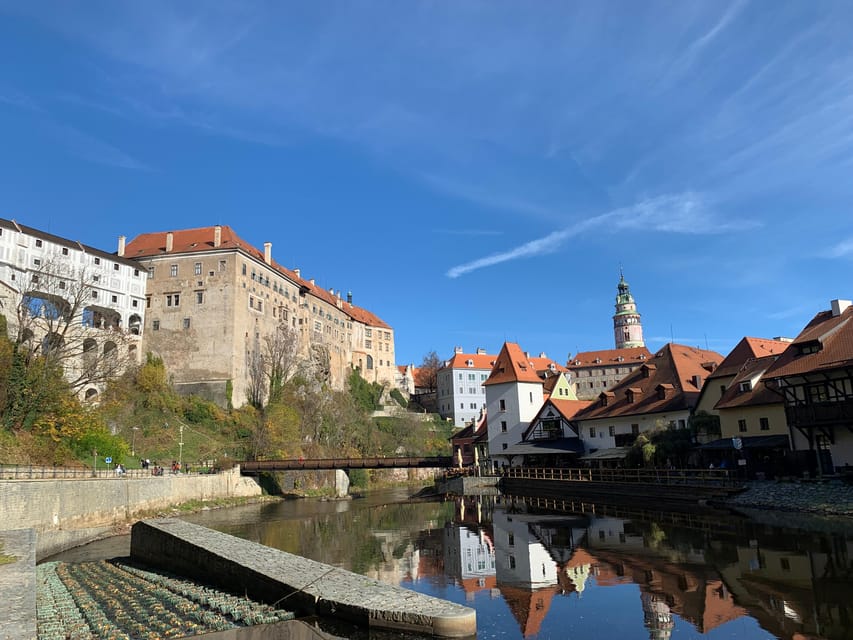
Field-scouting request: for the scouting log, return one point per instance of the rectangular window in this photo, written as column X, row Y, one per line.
column 612, row 430
column 222, row 265
column 65, row 251
column 97, row 261
column 512, row 560
column 150, row 272
column 503, row 426
column 134, row 303
column 38, row 243
column 472, row 390
column 116, row 266
column 765, row 424
column 156, row 325
column 503, row 404
column 244, row 268
column 741, row 425
column 368, row 333
column 186, row 323
column 147, row 302
column 114, row 299
column 260, row 305
column 173, row 270
column 199, row 297
column 635, row 429
column 135, row 273
column 94, row 293
column 368, row 344
column 592, row 432
column 96, row 278
column 197, row 268
column 36, row 262
column 173, row 299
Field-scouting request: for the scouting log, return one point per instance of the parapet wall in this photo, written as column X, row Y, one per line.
column 66, row 513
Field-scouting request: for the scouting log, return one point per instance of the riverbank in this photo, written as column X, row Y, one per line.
column 816, row 497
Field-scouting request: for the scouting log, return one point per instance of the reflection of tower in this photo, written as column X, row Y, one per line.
column 627, row 328
column 656, row 616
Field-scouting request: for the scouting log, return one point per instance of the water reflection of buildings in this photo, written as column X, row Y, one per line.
column 531, row 557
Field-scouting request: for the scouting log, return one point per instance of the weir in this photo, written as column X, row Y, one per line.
column 306, row 586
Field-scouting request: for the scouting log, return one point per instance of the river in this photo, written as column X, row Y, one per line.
column 568, row 570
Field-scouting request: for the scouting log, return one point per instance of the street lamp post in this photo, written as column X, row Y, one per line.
column 181, row 448
column 133, row 440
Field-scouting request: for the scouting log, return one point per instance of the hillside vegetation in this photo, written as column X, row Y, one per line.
column 141, row 416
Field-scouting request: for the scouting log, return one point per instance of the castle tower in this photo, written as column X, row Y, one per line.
column 627, row 328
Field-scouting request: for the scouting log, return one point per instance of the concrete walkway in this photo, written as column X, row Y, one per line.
column 18, row 584
column 299, row 584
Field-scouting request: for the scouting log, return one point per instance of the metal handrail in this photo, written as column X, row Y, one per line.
column 55, row 472
column 673, row 477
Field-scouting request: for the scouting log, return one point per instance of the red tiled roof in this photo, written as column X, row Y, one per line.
column 512, row 365
column 480, row 360
column 834, row 336
column 607, row 356
column 746, row 349
column 758, row 395
column 148, row 245
column 672, row 368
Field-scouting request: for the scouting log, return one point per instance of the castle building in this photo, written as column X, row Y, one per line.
column 627, row 328
column 214, row 302
column 85, row 305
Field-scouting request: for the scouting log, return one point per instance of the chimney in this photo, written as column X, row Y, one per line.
column 268, row 252
column 217, row 235
column 297, row 272
column 349, row 297
column 121, row 241
column 481, row 351
column 169, row 241
column 542, row 354
column 839, row 307
column 311, row 281
column 457, row 349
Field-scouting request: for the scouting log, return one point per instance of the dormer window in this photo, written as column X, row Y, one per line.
column 808, row 347
column 745, row 385
column 632, row 394
column 647, row 370
column 664, row 390
column 470, row 363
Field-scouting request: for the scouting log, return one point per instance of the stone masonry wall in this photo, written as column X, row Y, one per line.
column 65, row 513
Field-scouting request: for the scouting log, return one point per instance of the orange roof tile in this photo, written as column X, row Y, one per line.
column 149, row 245
column 607, row 356
column 512, row 365
column 747, row 349
column 759, row 394
column 671, row 369
column 479, row 360
column 833, row 335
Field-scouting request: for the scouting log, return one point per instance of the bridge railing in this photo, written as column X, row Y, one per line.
column 683, row 477
column 425, row 462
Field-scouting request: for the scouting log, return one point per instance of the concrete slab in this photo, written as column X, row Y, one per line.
column 293, row 582
column 18, row 584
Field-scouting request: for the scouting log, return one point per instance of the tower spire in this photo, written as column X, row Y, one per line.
column 627, row 328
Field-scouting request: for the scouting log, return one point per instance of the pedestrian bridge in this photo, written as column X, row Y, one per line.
column 255, row 467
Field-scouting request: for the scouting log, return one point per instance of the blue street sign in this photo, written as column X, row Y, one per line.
column 108, row 460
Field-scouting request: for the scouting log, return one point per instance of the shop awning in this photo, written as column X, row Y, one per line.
column 747, row 442
column 544, row 447
column 616, row 453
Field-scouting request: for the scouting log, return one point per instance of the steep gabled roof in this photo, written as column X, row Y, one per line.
column 665, row 383
column 567, row 409
column 189, row 241
column 512, row 365
column 830, row 336
column 632, row 355
column 748, row 349
column 758, row 394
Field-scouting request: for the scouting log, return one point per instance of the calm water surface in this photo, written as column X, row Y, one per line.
column 569, row 570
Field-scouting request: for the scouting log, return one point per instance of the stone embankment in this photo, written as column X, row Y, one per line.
column 68, row 512
column 828, row 498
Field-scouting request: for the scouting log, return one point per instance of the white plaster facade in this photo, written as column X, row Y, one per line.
column 51, row 269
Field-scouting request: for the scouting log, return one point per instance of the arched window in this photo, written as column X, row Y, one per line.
column 91, row 395
column 369, row 363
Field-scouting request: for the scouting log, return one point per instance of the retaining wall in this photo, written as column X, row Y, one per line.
column 66, row 513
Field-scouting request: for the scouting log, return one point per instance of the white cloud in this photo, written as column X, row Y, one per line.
column 843, row 249
column 685, row 213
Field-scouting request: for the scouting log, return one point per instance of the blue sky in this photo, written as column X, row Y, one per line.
column 473, row 172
